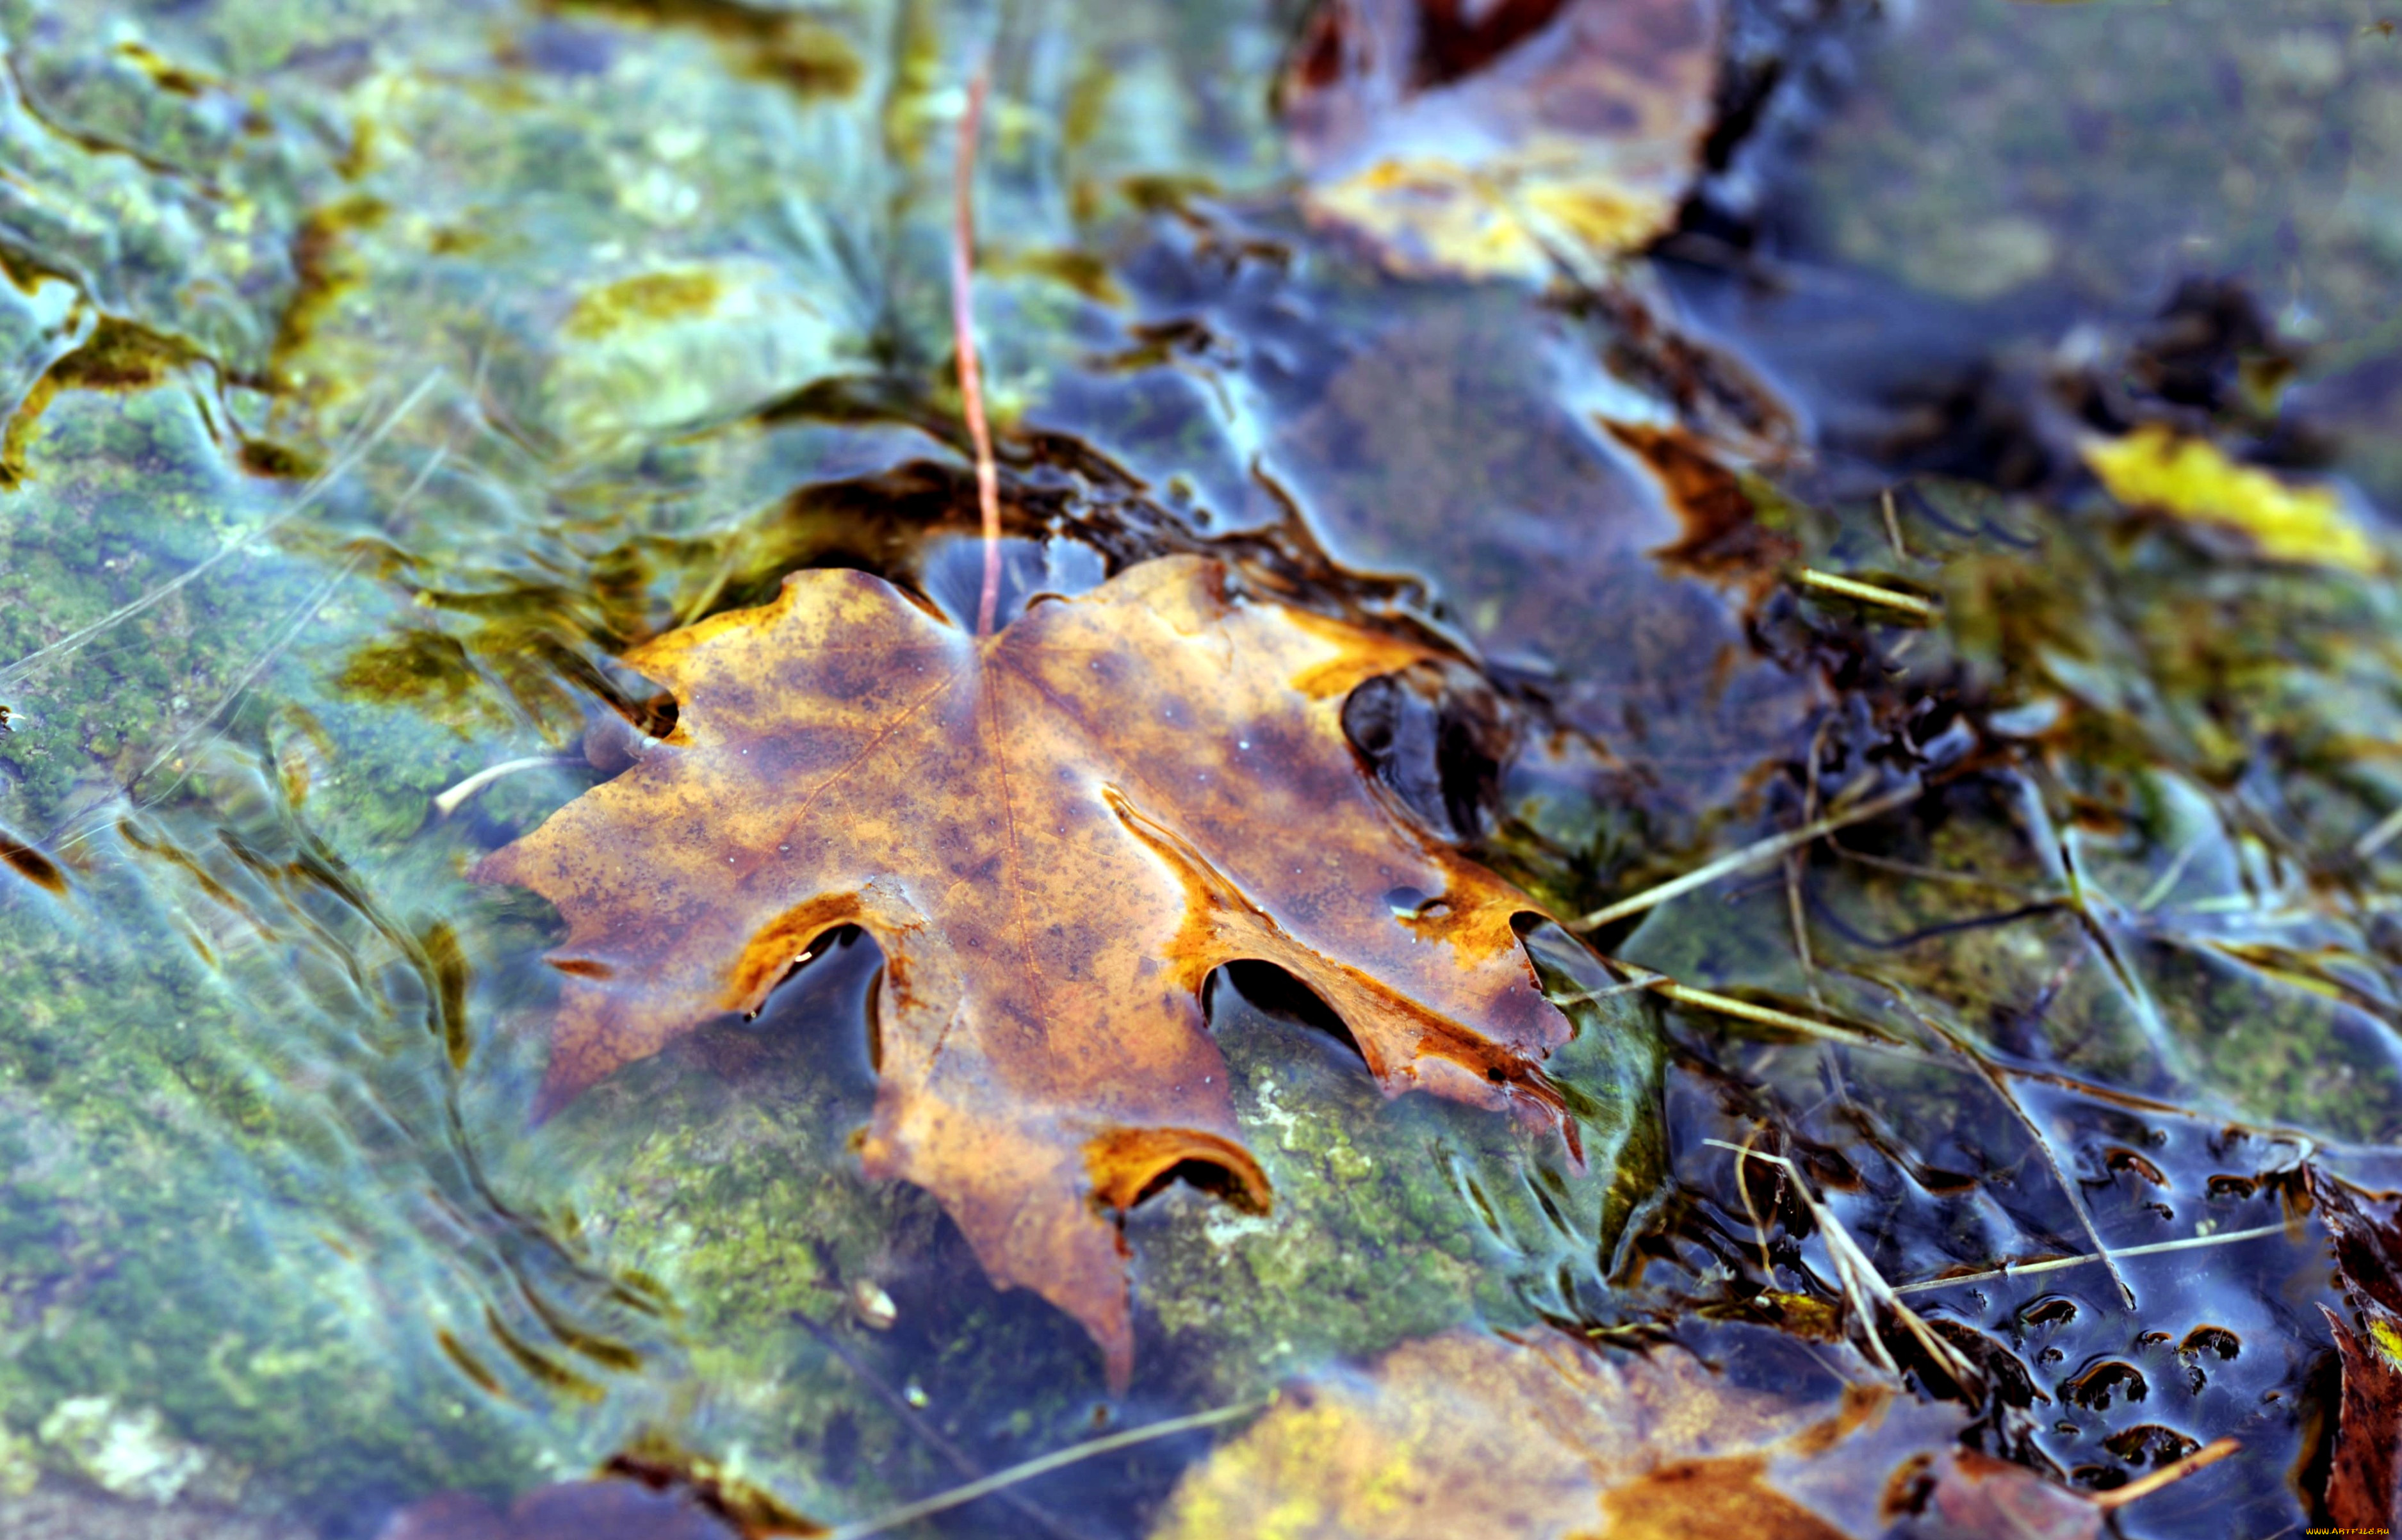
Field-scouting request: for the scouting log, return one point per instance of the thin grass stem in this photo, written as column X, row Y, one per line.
column 2055, row 1264
column 942, row 1502
column 1751, row 854
column 1925, row 611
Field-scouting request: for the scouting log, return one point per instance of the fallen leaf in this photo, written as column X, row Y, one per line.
column 1056, row 834
column 1492, row 140
column 2362, row 1490
column 1467, row 1434
column 2193, row 479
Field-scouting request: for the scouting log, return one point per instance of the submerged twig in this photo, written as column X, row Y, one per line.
column 1892, row 524
column 2054, row 1264
column 1751, row 1212
column 1798, row 919
column 963, row 338
column 1794, row 910
column 943, row 1502
column 1751, row 854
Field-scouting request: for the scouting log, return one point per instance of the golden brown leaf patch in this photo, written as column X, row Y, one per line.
column 1466, row 1434
column 1489, row 140
column 1054, row 834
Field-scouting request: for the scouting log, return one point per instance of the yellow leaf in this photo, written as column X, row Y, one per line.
column 2194, row 479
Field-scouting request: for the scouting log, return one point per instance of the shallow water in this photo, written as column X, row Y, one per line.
column 382, row 373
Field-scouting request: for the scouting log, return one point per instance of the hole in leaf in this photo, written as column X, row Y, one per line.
column 1212, row 1177
column 835, row 939
column 1276, row 993
column 828, row 996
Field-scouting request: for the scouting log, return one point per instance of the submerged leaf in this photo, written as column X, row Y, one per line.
column 2194, row 479
column 2360, row 1489
column 1467, row 1434
column 1056, row 834
column 2362, row 1492
column 1491, row 139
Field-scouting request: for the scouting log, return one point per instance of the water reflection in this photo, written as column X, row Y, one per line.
column 377, row 378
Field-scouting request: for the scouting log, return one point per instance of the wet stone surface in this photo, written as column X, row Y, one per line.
column 379, row 375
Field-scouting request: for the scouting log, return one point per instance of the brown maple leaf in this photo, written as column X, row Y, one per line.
column 1056, row 834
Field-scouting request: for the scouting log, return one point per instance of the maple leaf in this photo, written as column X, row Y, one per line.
column 1492, row 140
column 1056, row 834
column 1468, row 1434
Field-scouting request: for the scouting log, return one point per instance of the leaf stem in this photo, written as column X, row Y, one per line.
column 963, row 337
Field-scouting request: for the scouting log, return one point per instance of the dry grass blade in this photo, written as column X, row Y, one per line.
column 2379, row 836
column 2144, row 1486
column 1644, row 979
column 1924, row 612
column 1865, row 1289
column 2055, row 1264
column 1768, row 1015
column 943, row 1502
column 1751, row 854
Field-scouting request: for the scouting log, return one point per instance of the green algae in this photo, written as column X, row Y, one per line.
column 482, row 361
